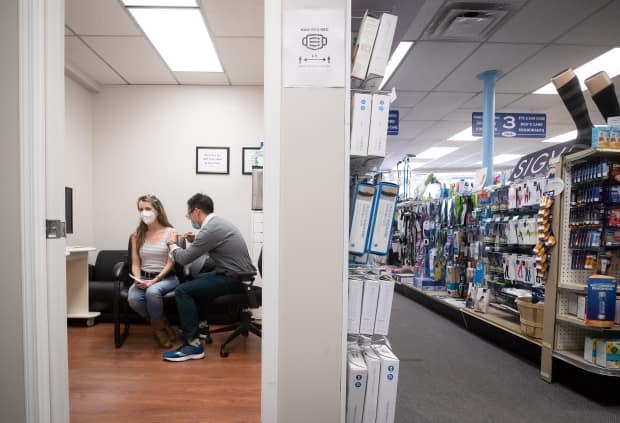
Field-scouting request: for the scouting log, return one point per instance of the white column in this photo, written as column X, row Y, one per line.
column 305, row 211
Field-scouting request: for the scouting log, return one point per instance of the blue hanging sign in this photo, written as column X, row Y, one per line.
column 513, row 125
column 393, row 122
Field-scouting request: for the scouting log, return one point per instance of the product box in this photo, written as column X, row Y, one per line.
column 601, row 302
column 405, row 278
column 363, row 202
column 388, row 384
column 589, row 350
column 357, row 377
column 377, row 138
column 606, row 137
column 384, row 307
column 381, row 51
column 361, row 106
column 581, row 307
column 617, row 310
column 363, row 46
column 382, row 218
column 373, row 363
column 356, row 292
column 572, row 303
column 369, row 306
column 608, row 353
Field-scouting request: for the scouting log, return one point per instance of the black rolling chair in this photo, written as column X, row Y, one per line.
column 249, row 300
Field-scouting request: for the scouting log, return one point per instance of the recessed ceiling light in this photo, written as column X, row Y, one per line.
column 608, row 62
column 505, row 158
column 160, row 3
column 417, row 165
column 464, row 135
column 397, row 57
column 568, row 136
column 436, row 152
column 180, row 36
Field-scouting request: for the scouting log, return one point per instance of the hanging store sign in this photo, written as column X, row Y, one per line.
column 393, row 120
column 513, row 125
column 542, row 162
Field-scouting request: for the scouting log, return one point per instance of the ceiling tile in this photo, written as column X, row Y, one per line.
column 409, row 129
column 459, row 115
column 501, row 100
column 234, row 18
column 501, row 56
column 408, row 98
column 538, row 70
column 79, row 55
column 437, row 105
column 420, row 22
column 541, row 21
column 99, row 17
column 589, row 31
column 428, row 63
column 133, row 57
column 201, row 78
column 443, row 130
column 242, row 59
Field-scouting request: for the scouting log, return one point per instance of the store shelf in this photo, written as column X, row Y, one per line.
column 567, row 318
column 502, row 320
column 577, row 287
column 584, row 154
column 364, row 165
column 576, row 359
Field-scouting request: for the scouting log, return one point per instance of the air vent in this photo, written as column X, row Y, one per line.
column 466, row 21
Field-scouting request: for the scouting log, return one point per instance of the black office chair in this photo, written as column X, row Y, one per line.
column 249, row 300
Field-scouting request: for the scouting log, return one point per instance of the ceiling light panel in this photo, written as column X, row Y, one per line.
column 160, row 3
column 505, row 158
column 464, row 135
column 436, row 152
column 608, row 62
column 397, row 57
column 180, row 36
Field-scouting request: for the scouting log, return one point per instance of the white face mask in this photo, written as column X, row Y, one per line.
column 147, row 216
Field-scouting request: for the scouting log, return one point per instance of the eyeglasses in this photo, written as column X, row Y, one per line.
column 189, row 213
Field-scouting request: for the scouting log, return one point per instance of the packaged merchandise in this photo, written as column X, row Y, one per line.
column 589, row 350
column 356, row 292
column 608, row 353
column 388, row 385
column 377, row 138
column 357, row 377
column 601, row 301
column 481, row 303
column 381, row 51
column 363, row 202
column 360, row 123
column 373, row 364
column 384, row 307
column 363, row 46
column 382, row 218
column 369, row 306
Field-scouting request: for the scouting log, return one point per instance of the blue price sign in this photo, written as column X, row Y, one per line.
column 513, row 125
column 393, row 122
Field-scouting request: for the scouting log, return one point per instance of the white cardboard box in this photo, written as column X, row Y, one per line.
column 356, row 292
column 608, row 353
column 360, row 221
column 381, row 51
column 362, row 50
column 361, row 105
column 572, row 303
column 373, row 363
column 357, row 377
column 581, row 307
column 377, row 138
column 383, row 218
column 388, row 384
column 369, row 306
column 384, row 307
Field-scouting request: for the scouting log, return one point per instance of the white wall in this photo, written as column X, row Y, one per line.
column 144, row 142
column 79, row 161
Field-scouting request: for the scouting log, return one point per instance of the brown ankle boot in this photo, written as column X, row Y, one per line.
column 159, row 330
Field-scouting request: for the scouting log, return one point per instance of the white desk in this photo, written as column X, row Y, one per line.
column 77, row 285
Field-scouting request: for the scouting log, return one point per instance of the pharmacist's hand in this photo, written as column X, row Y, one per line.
column 190, row 236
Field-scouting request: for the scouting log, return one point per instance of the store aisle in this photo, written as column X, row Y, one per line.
column 448, row 374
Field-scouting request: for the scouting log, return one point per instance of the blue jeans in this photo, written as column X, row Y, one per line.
column 197, row 294
column 149, row 302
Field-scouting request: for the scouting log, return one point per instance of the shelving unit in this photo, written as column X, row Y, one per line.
column 570, row 331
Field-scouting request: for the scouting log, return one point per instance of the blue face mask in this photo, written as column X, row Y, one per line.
column 196, row 226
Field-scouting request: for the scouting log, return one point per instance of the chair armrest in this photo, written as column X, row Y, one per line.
column 121, row 271
column 91, row 272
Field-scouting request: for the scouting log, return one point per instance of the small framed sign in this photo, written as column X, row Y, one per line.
column 213, row 160
column 248, row 154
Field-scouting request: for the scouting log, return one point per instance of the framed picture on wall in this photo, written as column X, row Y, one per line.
column 247, row 155
column 213, row 160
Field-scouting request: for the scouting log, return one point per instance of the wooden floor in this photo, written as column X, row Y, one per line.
column 133, row 383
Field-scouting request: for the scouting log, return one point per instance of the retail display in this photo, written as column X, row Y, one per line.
column 569, row 88
column 360, row 123
column 604, row 94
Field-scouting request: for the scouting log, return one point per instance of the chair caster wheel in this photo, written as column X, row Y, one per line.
column 223, row 353
column 208, row 340
column 90, row 322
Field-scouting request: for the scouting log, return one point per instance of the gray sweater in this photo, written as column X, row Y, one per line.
column 223, row 242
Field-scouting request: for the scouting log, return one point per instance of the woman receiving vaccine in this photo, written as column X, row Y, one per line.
column 152, row 268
